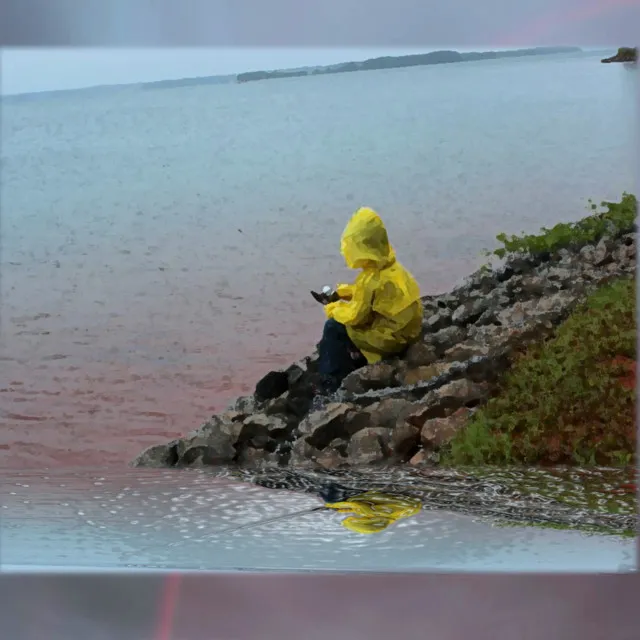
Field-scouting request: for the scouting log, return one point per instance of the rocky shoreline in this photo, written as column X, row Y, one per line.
column 627, row 55
column 407, row 409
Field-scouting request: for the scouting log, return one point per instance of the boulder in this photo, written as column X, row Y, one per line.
column 158, row 456
column 437, row 432
column 405, row 439
column 447, row 399
column 369, row 445
column 423, row 374
column 319, row 428
column 420, row 354
column 274, row 384
column 370, row 377
column 210, row 444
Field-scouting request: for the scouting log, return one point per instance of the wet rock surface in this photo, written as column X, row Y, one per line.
column 407, row 408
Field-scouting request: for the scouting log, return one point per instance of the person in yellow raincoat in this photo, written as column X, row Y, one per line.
column 379, row 315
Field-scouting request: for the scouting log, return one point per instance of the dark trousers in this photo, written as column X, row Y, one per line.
column 335, row 351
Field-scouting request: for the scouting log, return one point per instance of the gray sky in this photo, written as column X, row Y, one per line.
column 317, row 32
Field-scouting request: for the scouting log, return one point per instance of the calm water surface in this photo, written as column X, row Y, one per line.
column 177, row 520
column 132, row 304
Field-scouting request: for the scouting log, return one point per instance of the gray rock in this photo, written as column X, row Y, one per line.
column 469, row 312
column 423, row 374
column 404, row 440
column 420, row 354
column 212, row 443
column 369, row 445
column 447, row 399
column 588, row 254
column 374, row 376
column 251, row 457
column 260, row 428
column 319, row 428
column 158, row 456
column 447, row 338
column 437, row 321
column 245, row 404
column 438, row 432
column 466, row 350
column 602, row 254
column 387, row 412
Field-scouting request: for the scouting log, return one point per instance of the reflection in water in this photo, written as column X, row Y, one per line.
column 374, row 512
column 371, row 512
column 152, row 519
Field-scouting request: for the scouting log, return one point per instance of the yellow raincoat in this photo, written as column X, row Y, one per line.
column 381, row 310
column 374, row 512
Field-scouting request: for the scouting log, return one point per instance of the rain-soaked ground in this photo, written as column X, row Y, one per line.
column 232, row 520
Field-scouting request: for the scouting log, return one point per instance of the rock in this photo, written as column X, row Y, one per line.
column 369, row 445
column 602, row 253
column 210, row 444
column 420, row 354
column 555, row 306
column 374, row 376
column 437, row 321
column 518, row 314
column 245, row 405
column 387, row 412
column 588, row 254
column 447, row 399
column 423, row 374
column 331, row 458
column 465, row 350
column 259, row 429
column 562, row 275
column 251, row 457
column 302, row 453
column 231, row 416
column 277, row 406
column 437, row 432
column 469, row 312
column 418, row 459
column 319, row 428
column 158, row 456
column 490, row 337
column 404, row 440
column 625, row 255
column 274, row 384
column 447, row 338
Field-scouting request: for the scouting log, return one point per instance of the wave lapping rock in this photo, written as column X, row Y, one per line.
column 406, row 409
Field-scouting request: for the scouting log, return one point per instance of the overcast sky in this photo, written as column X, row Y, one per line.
column 318, row 32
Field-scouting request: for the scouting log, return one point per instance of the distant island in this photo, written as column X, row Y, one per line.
column 625, row 54
column 397, row 62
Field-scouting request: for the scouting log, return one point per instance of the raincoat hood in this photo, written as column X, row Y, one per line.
column 364, row 241
column 373, row 512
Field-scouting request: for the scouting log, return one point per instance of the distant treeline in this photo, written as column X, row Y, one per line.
column 187, row 82
column 396, row 62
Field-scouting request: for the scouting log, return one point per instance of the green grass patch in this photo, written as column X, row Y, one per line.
column 569, row 400
column 614, row 219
